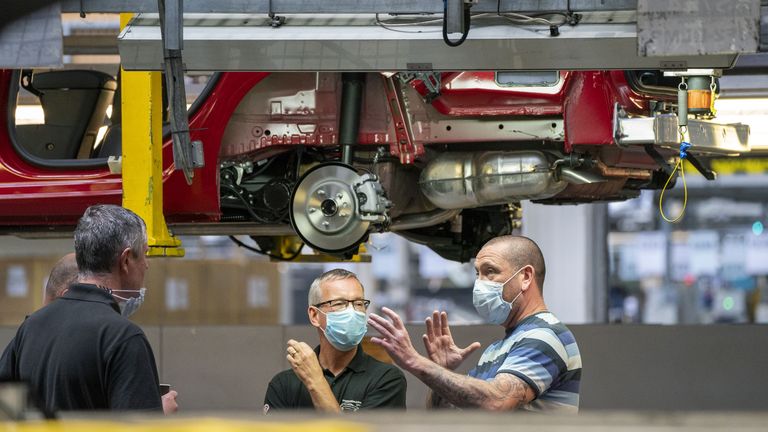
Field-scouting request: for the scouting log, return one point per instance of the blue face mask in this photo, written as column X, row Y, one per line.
column 488, row 301
column 345, row 329
column 129, row 305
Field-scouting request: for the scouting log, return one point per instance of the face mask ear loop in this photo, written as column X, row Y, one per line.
column 510, row 278
column 518, row 295
column 521, row 288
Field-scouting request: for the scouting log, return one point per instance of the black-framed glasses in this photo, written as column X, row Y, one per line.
column 360, row 305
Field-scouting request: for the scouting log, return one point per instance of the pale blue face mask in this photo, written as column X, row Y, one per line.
column 488, row 301
column 129, row 305
column 345, row 329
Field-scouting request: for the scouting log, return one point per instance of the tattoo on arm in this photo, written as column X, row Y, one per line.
column 504, row 392
column 435, row 401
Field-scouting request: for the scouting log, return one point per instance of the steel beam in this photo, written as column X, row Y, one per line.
column 357, row 43
column 347, row 6
column 706, row 137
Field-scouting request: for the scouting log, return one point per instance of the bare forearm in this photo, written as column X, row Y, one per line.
column 323, row 398
column 467, row 392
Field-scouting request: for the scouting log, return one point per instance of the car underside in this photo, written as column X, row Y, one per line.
column 443, row 159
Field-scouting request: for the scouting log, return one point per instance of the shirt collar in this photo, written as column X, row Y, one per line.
column 523, row 321
column 92, row 293
column 358, row 362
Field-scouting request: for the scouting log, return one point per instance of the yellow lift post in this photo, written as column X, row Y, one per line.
column 142, row 166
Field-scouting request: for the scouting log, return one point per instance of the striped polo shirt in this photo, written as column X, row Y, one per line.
column 541, row 351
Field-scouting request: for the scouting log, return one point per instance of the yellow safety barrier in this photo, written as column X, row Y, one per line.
column 182, row 425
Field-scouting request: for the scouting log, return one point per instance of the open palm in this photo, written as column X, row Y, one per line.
column 440, row 345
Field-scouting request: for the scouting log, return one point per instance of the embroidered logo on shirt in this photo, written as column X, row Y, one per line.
column 350, row 405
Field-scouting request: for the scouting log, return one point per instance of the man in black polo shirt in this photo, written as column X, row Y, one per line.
column 78, row 352
column 337, row 375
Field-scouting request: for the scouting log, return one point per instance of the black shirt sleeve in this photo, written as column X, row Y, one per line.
column 133, row 381
column 8, row 362
column 274, row 398
column 389, row 391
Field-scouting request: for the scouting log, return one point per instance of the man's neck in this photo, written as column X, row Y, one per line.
column 332, row 359
column 103, row 281
column 531, row 308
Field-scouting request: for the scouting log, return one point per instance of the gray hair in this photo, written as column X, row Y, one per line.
column 331, row 275
column 103, row 233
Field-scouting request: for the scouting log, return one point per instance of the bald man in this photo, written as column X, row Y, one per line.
column 536, row 366
column 63, row 274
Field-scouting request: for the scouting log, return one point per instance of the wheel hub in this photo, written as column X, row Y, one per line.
column 324, row 209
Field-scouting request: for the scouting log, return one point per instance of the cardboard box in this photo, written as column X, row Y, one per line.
column 259, row 294
column 220, row 285
column 182, row 295
column 22, row 285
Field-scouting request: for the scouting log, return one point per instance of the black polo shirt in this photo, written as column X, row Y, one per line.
column 79, row 353
column 365, row 383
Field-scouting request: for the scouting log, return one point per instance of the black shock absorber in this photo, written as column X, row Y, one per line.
column 352, row 89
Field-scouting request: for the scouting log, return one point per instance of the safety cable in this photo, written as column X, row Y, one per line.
column 464, row 33
column 684, row 146
column 398, row 25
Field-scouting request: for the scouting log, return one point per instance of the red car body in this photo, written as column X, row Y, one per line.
column 40, row 197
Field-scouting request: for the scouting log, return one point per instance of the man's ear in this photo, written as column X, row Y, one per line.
column 529, row 275
column 313, row 315
column 124, row 262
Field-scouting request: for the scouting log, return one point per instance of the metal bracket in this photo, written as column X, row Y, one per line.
column 706, row 172
column 404, row 145
column 430, row 80
column 185, row 157
column 658, row 158
column 274, row 20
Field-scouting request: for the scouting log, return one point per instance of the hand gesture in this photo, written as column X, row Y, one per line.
column 304, row 363
column 394, row 338
column 440, row 345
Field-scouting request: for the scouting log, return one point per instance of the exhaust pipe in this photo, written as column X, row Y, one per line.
column 466, row 180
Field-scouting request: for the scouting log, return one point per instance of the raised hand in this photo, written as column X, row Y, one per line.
column 394, row 338
column 303, row 361
column 440, row 345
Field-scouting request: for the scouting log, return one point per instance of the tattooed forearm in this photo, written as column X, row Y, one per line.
column 503, row 392
column 435, row 401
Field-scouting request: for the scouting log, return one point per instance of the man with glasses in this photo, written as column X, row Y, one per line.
column 337, row 375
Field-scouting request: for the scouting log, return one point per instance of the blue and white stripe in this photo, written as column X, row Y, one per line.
column 542, row 352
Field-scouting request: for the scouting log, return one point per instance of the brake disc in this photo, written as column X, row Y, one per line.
column 324, row 209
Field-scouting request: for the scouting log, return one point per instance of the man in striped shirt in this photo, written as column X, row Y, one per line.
column 536, row 366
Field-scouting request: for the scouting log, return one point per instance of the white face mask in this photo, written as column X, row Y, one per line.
column 129, row 305
column 488, row 301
